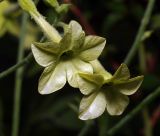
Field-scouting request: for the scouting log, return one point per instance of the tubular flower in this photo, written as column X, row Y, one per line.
column 64, row 59
column 106, row 92
column 64, row 56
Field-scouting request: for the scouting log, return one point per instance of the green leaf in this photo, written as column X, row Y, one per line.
column 116, row 102
column 43, row 57
column 52, row 79
column 130, row 86
column 92, row 106
column 92, row 47
column 122, row 73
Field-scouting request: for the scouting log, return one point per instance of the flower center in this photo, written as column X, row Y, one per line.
column 67, row 55
column 106, row 85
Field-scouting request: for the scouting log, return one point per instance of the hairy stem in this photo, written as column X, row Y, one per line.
column 18, row 79
column 140, row 32
column 135, row 111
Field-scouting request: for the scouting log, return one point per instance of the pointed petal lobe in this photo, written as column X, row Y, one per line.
column 86, row 87
column 52, row 79
column 116, row 102
column 71, row 72
column 82, row 66
column 92, row 106
column 78, row 35
column 130, row 86
column 122, row 73
column 92, row 48
column 43, row 57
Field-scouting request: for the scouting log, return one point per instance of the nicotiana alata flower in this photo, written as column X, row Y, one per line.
column 64, row 56
column 106, row 92
column 64, row 59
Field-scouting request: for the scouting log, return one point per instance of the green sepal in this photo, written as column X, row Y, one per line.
column 94, row 78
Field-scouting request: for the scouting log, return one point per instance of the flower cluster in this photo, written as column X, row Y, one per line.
column 73, row 58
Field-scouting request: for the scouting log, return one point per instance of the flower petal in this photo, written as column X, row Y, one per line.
column 71, row 74
column 73, row 38
column 116, row 102
column 43, row 57
column 92, row 48
column 82, row 66
column 130, row 86
column 94, row 78
column 86, row 87
column 92, row 106
column 78, row 35
column 65, row 43
column 99, row 69
column 48, row 47
column 52, row 79
column 122, row 73
column 73, row 67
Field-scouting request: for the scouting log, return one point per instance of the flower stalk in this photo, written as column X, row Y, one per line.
column 140, row 33
column 49, row 30
column 18, row 80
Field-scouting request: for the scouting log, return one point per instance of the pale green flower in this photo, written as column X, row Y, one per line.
column 106, row 91
column 66, row 58
column 63, row 56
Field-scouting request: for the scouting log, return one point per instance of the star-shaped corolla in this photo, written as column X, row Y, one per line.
column 106, row 92
column 66, row 58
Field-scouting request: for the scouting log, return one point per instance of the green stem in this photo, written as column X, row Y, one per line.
column 142, row 64
column 140, row 33
column 15, row 67
column 142, row 58
column 18, row 79
column 135, row 111
column 19, row 64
